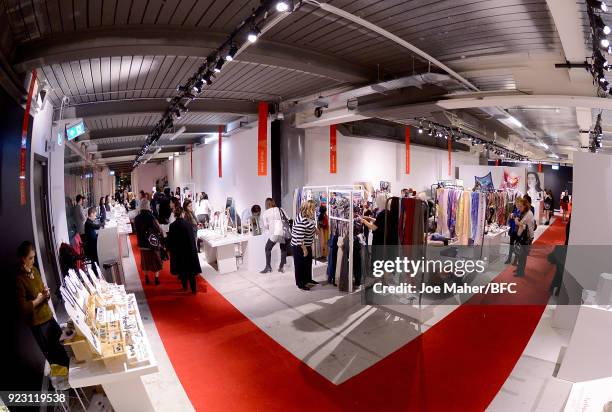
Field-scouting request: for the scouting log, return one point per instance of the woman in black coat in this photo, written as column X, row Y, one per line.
column 184, row 260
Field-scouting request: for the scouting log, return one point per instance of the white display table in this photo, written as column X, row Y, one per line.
column 588, row 354
column 590, row 396
column 123, row 386
column 220, row 249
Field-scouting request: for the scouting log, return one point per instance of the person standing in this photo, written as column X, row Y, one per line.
column 33, row 298
column 548, row 205
column 78, row 215
column 302, row 237
column 272, row 221
column 184, row 260
column 164, row 209
column 565, row 201
column 102, row 212
column 513, row 229
column 147, row 231
column 525, row 229
column 203, row 209
column 190, row 217
column 91, row 238
column 107, row 203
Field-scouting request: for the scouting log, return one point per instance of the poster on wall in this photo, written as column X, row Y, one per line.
column 534, row 185
column 510, row 181
column 484, row 182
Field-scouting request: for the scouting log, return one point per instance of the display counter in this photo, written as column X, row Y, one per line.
column 220, row 249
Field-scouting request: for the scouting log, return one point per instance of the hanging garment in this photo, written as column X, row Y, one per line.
column 339, row 258
column 482, row 213
column 392, row 221
column 466, row 200
column 331, row 261
column 356, row 261
column 343, row 282
column 406, row 220
column 474, row 215
column 442, row 212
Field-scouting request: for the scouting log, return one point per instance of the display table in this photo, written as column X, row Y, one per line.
column 220, row 249
column 119, row 220
column 492, row 244
column 590, row 396
column 588, row 354
column 256, row 254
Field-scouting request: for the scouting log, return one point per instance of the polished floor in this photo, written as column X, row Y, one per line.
column 333, row 335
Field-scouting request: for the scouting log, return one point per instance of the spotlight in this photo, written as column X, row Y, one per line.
column 231, row 53
column 430, row 133
column 208, row 78
column 605, row 43
column 253, row 34
column 219, row 64
column 420, row 130
column 197, row 87
column 282, row 6
column 180, row 88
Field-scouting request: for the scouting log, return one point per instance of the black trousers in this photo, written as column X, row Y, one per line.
column 522, row 258
column 188, row 278
column 302, row 265
column 47, row 336
column 283, row 248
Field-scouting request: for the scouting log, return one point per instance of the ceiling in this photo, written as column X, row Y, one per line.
column 116, row 62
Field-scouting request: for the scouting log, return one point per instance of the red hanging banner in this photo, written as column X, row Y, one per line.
column 333, row 161
column 24, row 142
column 220, row 151
column 539, row 167
column 450, row 147
column 407, row 150
column 497, row 162
column 262, row 140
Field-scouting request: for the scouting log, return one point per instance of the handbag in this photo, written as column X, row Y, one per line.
column 286, row 227
column 154, row 242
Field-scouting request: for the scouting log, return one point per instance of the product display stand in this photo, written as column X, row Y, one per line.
column 220, row 248
column 111, row 347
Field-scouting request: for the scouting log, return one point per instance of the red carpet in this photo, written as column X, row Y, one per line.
column 226, row 363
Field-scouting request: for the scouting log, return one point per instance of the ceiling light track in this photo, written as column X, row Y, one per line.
column 268, row 13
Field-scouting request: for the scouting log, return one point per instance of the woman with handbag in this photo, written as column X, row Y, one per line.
column 273, row 221
column 302, row 237
column 184, row 260
column 149, row 236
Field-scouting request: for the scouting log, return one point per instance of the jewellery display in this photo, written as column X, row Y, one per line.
column 108, row 318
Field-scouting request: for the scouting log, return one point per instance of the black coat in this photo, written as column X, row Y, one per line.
column 91, row 236
column 183, row 251
column 145, row 224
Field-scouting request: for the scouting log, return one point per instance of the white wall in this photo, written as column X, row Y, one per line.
column 144, row 177
column 240, row 179
column 362, row 159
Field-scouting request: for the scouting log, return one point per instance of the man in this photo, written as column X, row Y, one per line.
column 164, row 207
column 91, row 235
column 78, row 215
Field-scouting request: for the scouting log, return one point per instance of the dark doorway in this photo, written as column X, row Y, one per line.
column 44, row 232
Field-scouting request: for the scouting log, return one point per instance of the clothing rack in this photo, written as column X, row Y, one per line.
column 450, row 184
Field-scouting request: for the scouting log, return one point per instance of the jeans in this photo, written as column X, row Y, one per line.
column 302, row 265
column 283, row 248
column 511, row 250
column 522, row 258
column 47, row 336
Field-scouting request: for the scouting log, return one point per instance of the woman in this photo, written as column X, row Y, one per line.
column 131, row 201
column 190, row 217
column 302, row 237
column 565, row 201
column 91, row 238
column 534, row 188
column 184, row 260
column 107, row 205
column 272, row 221
column 377, row 225
column 33, row 298
column 525, row 229
column 102, row 212
column 149, row 236
column 513, row 229
column 548, row 205
column 203, row 209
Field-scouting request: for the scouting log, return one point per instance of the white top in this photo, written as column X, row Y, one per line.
column 202, row 207
column 268, row 217
column 527, row 222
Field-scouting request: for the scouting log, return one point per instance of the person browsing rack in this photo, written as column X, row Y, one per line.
column 302, row 237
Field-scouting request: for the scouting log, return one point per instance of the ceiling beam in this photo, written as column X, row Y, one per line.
column 117, row 108
column 526, row 100
column 191, row 130
column 139, row 40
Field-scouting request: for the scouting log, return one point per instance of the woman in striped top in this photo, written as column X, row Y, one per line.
column 302, row 237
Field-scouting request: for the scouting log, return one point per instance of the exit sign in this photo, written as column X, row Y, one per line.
column 75, row 131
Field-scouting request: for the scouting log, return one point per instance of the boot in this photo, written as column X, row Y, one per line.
column 267, row 269
column 156, row 280
column 147, row 281
column 281, row 269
